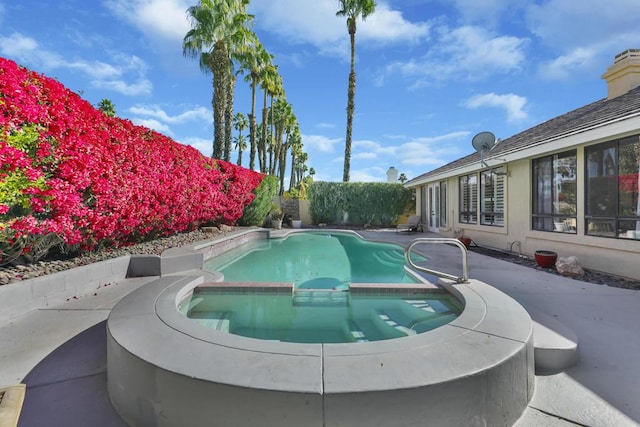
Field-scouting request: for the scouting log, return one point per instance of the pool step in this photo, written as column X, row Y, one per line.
column 320, row 297
column 219, row 321
column 555, row 345
column 357, row 333
column 393, row 323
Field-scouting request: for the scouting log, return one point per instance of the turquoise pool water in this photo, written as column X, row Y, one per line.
column 299, row 290
column 315, row 260
column 329, row 317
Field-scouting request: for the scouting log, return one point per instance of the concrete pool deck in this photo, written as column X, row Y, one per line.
column 59, row 352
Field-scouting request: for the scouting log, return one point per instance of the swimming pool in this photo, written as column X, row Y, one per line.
column 310, row 299
column 166, row 369
column 309, row 316
column 315, row 260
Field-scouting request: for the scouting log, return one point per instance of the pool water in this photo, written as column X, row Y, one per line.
column 299, row 289
column 315, row 260
column 319, row 316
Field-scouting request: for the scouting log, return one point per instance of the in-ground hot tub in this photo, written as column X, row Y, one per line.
column 166, row 369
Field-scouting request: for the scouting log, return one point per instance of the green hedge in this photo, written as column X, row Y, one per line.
column 257, row 212
column 357, row 203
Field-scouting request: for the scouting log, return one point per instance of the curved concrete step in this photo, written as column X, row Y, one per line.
column 555, row 345
column 11, row 401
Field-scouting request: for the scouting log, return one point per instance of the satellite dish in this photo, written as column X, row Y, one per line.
column 483, row 141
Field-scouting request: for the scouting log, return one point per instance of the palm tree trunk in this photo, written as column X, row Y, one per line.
column 252, row 127
column 220, row 71
column 229, row 118
column 263, row 138
column 292, row 179
column 351, row 95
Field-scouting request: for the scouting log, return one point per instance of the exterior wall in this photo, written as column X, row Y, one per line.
column 615, row 256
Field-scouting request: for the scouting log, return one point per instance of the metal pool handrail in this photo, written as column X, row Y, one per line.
column 434, row 240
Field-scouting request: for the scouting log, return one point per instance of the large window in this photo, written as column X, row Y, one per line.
column 492, row 197
column 554, row 193
column 469, row 199
column 612, row 204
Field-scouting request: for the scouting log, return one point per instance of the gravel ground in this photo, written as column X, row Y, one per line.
column 156, row 247
column 589, row 275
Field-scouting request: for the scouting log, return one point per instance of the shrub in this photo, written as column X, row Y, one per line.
column 257, row 212
column 358, row 203
column 69, row 170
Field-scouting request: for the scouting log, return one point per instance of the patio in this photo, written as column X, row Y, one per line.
column 60, row 351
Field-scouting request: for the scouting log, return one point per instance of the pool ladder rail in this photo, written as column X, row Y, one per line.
column 440, row 240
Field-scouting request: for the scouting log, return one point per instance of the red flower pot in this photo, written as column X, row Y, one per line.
column 546, row 259
column 466, row 241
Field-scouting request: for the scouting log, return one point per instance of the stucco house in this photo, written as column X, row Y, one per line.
column 569, row 185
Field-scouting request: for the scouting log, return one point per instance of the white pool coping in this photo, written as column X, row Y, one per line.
column 164, row 369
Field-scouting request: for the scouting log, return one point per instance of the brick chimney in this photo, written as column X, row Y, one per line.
column 624, row 74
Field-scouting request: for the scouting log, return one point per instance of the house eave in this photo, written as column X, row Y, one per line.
column 620, row 127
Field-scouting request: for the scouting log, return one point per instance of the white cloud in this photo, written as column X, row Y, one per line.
column 569, row 24
column 205, row 146
column 18, row 46
column 369, row 150
column 566, row 65
column 198, row 113
column 96, row 69
column 430, row 151
column 166, row 19
column 470, row 53
column 153, row 124
column 487, row 12
column 101, row 74
column 584, row 35
column 511, row 103
column 316, row 23
column 365, row 144
column 389, row 26
column 325, row 125
column 373, row 174
column 319, row 142
column 141, row 87
column 365, row 156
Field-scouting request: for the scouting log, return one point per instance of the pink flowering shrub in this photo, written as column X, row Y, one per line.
column 68, row 169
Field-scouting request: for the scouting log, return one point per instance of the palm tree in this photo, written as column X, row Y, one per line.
column 240, row 143
column 213, row 24
column 295, row 144
column 240, row 123
column 107, row 107
column 269, row 83
column 253, row 61
column 352, row 9
column 241, row 42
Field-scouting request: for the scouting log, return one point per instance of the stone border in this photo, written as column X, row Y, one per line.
column 165, row 369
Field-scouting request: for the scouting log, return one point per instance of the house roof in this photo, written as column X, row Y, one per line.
column 593, row 115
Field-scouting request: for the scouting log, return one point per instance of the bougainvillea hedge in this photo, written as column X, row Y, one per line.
column 67, row 169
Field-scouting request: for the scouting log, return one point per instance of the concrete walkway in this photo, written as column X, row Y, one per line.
column 60, row 352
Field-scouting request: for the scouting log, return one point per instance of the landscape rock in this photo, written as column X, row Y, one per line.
column 569, row 266
column 225, row 228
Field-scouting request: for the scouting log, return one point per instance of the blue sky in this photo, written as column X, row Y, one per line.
column 431, row 73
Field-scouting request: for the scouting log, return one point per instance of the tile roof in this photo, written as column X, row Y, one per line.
column 595, row 114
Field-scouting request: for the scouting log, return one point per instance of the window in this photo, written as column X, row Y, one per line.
column 612, row 205
column 492, row 197
column 469, row 199
column 443, row 204
column 554, row 193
